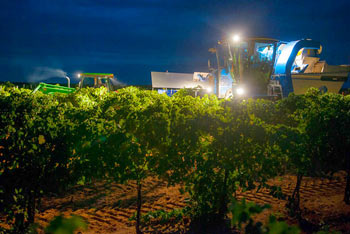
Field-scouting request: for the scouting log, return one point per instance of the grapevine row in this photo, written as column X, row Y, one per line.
column 211, row 147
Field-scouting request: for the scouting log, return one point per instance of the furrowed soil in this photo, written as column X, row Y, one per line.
column 107, row 207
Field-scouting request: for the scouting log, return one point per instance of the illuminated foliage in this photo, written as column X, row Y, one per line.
column 212, row 148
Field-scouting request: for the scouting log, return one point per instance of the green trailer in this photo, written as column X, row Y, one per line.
column 50, row 89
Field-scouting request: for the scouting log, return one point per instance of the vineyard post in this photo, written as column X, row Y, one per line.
column 224, row 198
column 139, row 203
column 347, row 188
column 295, row 198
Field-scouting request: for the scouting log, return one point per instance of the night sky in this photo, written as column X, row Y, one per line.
column 132, row 38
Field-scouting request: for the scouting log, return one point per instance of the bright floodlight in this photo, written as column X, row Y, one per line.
column 79, row 75
column 236, row 38
column 209, row 89
column 240, row 91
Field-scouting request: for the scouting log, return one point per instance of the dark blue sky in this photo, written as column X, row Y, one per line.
column 132, row 38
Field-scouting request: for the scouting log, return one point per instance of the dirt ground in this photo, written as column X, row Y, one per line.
column 108, row 207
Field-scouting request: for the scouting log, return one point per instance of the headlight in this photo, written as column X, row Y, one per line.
column 240, row 91
column 236, row 38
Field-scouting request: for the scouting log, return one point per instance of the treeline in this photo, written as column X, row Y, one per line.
column 211, row 147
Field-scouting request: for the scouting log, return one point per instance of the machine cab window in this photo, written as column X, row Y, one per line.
column 96, row 80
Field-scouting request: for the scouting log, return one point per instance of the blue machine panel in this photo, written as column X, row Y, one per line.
column 169, row 92
column 286, row 59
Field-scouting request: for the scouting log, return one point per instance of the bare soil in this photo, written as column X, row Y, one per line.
column 107, row 207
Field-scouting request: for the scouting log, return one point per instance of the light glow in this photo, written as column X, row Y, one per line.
column 240, row 91
column 79, row 75
column 209, row 90
column 236, row 38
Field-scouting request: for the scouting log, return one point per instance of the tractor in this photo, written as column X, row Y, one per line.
column 94, row 80
column 266, row 67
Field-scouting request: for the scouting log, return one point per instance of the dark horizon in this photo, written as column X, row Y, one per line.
column 133, row 38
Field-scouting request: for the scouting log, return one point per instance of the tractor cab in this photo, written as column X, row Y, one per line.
column 253, row 62
column 96, row 80
column 244, row 66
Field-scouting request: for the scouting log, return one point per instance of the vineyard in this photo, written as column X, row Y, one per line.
column 210, row 154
